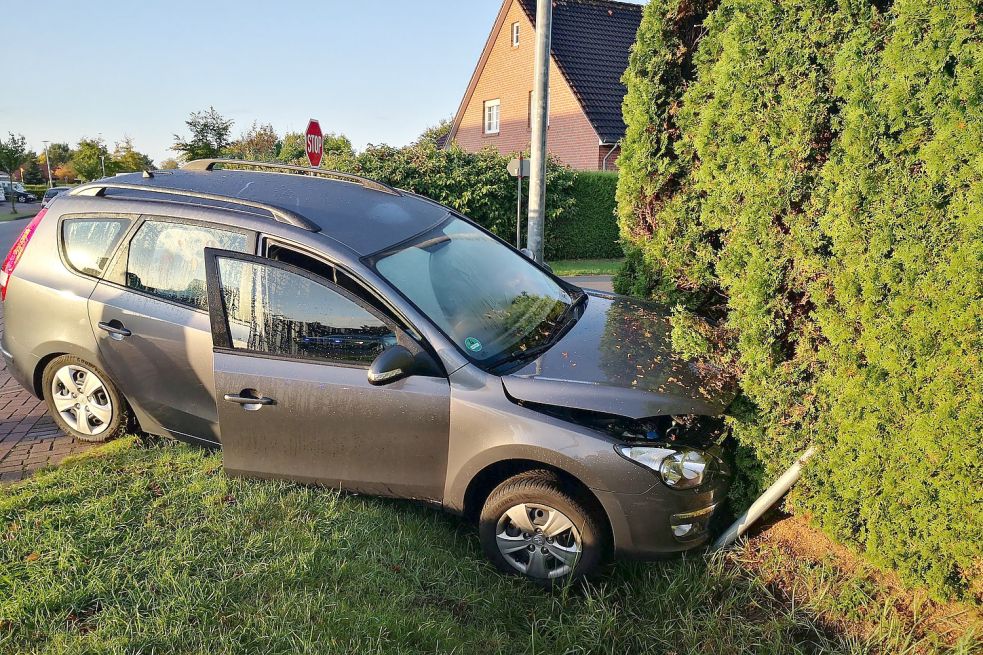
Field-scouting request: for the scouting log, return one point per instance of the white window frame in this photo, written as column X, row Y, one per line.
column 493, row 109
column 515, row 34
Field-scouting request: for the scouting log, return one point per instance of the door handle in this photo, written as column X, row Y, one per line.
column 115, row 329
column 251, row 402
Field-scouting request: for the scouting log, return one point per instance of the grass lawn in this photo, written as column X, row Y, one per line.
column 153, row 549
column 5, row 214
column 570, row 267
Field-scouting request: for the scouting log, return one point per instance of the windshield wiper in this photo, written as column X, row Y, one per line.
column 559, row 329
column 519, row 355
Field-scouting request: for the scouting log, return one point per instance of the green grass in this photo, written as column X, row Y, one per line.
column 569, row 267
column 5, row 214
column 135, row 549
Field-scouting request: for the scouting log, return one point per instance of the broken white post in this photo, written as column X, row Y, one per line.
column 764, row 501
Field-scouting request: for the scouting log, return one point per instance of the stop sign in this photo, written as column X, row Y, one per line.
column 315, row 141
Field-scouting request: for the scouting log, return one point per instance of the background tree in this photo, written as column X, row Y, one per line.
column 258, row 143
column 58, row 153
column 338, row 150
column 13, row 153
column 436, row 134
column 169, row 164
column 127, row 159
column 88, row 157
column 65, row 172
column 209, row 136
column 293, row 149
column 33, row 173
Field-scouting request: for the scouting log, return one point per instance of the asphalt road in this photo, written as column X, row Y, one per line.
column 598, row 282
column 10, row 230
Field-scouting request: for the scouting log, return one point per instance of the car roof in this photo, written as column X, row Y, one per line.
column 362, row 217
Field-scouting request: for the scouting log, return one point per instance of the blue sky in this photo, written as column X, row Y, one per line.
column 379, row 71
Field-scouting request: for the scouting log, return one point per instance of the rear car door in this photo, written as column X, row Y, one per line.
column 150, row 318
column 300, row 346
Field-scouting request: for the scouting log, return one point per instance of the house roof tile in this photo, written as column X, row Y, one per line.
column 591, row 42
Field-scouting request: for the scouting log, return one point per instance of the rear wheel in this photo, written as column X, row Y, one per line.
column 83, row 401
column 531, row 526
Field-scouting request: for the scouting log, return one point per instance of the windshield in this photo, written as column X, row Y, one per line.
column 493, row 302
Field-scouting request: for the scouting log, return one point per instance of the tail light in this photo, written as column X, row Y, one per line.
column 17, row 252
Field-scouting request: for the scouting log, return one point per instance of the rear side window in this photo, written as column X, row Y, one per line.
column 278, row 312
column 89, row 242
column 168, row 259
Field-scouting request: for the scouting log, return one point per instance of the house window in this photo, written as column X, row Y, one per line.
column 515, row 35
column 492, row 114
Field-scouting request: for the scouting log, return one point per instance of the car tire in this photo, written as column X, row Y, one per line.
column 83, row 401
column 532, row 526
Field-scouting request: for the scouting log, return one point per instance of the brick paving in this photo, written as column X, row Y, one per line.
column 29, row 438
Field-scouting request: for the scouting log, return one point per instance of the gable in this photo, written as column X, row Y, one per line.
column 591, row 42
column 488, row 71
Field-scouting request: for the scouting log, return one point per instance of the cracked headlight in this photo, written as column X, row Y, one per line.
column 679, row 468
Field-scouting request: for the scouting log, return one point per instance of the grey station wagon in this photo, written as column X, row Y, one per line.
column 330, row 329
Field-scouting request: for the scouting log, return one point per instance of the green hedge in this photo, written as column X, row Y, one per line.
column 590, row 229
column 807, row 175
column 37, row 189
column 580, row 219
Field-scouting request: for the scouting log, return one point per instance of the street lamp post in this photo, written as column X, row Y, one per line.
column 102, row 159
column 540, row 120
column 47, row 162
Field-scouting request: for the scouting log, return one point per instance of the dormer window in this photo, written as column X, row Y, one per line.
column 515, row 35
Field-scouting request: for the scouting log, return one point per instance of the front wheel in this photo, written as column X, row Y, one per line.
column 531, row 526
column 83, row 401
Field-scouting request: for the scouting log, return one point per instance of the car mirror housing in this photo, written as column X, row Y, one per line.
column 391, row 365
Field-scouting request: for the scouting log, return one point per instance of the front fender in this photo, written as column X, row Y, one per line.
column 487, row 428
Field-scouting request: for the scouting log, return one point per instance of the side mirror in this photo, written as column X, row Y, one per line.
column 391, row 365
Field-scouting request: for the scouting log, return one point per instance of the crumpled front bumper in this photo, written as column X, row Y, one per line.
column 642, row 524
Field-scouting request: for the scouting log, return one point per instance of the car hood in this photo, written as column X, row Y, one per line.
column 618, row 359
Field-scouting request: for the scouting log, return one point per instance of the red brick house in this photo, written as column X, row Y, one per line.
column 590, row 45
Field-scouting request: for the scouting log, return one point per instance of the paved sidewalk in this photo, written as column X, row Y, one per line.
column 598, row 282
column 29, row 438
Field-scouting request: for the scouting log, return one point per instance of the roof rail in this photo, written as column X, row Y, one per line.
column 98, row 189
column 368, row 183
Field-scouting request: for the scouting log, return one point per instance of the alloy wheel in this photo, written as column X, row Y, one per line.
column 81, row 399
column 538, row 541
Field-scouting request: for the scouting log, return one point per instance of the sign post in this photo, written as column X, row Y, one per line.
column 314, row 143
column 518, row 168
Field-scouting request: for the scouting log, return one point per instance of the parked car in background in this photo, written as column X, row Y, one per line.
column 331, row 329
column 17, row 190
column 50, row 194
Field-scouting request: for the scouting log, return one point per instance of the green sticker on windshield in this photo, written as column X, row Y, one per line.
column 472, row 344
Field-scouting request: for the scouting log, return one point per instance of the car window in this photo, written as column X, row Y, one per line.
column 88, row 242
column 493, row 302
column 279, row 312
column 332, row 274
column 168, row 259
